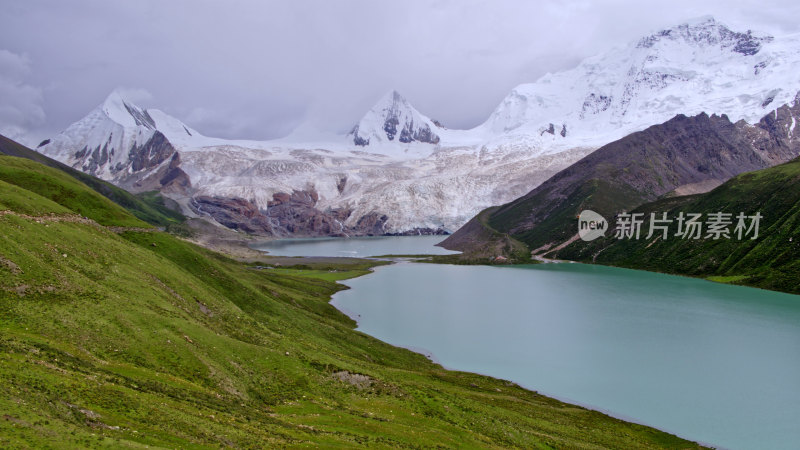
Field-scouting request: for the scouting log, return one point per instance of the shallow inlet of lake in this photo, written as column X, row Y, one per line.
column 709, row 362
column 355, row 247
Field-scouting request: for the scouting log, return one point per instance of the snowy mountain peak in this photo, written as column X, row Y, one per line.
column 697, row 66
column 118, row 139
column 706, row 31
column 126, row 113
column 393, row 119
column 392, row 99
column 130, row 116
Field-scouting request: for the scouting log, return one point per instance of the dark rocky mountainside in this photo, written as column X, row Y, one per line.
column 292, row 214
column 691, row 154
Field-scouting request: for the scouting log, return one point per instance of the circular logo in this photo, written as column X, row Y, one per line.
column 591, row 225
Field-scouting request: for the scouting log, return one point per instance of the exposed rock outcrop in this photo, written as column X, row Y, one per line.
column 175, row 179
column 151, row 154
column 425, row 231
column 293, row 214
column 234, row 213
column 296, row 214
column 168, row 178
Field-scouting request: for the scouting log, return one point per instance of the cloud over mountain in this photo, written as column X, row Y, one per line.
column 21, row 108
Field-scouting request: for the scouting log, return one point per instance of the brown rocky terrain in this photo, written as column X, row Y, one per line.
column 292, row 214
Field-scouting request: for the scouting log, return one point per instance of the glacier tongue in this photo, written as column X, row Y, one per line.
column 442, row 190
column 399, row 163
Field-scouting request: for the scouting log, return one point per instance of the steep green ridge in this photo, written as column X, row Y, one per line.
column 485, row 243
column 597, row 194
column 65, row 190
column 147, row 207
column 24, row 202
column 122, row 338
column 772, row 261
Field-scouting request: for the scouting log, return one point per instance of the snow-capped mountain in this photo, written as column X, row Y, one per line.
column 398, row 170
column 699, row 66
column 394, row 119
column 119, row 141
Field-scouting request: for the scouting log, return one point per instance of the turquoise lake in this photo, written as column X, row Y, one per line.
column 709, row 362
column 355, row 247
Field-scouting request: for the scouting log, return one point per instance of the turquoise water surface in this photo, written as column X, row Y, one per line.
column 710, row 362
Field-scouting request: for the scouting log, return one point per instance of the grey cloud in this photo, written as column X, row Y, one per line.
column 254, row 69
column 21, row 105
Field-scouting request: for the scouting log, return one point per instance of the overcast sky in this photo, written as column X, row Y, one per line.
column 257, row 69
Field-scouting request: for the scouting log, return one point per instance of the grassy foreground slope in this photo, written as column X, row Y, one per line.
column 147, row 207
column 122, row 337
column 55, row 185
column 772, row 261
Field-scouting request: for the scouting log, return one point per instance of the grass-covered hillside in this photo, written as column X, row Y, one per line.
column 148, row 207
column 115, row 335
column 772, row 261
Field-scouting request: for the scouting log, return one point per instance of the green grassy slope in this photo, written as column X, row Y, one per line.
column 129, row 338
column 481, row 243
column 595, row 194
column 61, row 188
column 147, row 207
column 772, row 261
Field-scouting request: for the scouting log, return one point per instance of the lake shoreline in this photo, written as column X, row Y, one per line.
column 402, row 259
column 434, row 359
column 393, row 260
column 743, row 303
